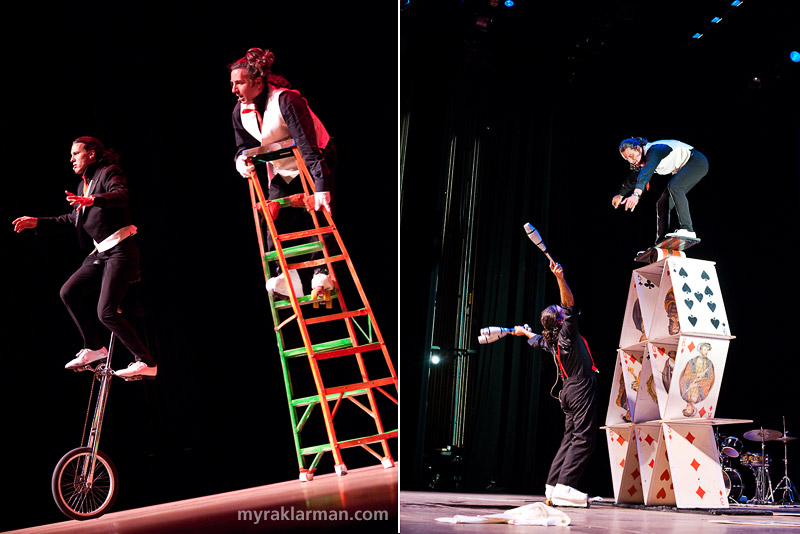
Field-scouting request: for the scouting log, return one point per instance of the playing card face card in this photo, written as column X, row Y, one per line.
column 625, row 474
column 625, row 387
column 663, row 354
column 646, row 408
column 690, row 300
column 642, row 295
column 696, row 378
column 619, row 409
column 694, row 465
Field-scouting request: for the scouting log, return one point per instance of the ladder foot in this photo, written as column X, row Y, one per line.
column 306, row 476
column 387, row 463
column 341, row 470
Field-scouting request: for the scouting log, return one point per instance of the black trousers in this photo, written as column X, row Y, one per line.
column 110, row 273
column 297, row 219
column 579, row 404
column 674, row 195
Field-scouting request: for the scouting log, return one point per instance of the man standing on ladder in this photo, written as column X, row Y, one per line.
column 101, row 216
column 578, row 397
column 267, row 113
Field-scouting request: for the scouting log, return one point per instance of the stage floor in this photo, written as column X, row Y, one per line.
column 365, row 500
column 419, row 510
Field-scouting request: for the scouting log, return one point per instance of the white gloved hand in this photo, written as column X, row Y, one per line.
column 243, row 166
column 322, row 199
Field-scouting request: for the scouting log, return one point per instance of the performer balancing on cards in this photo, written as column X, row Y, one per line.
column 578, row 397
column 102, row 219
column 683, row 162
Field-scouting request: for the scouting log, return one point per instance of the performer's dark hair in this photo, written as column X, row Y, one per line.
column 551, row 325
column 632, row 143
column 102, row 154
column 257, row 63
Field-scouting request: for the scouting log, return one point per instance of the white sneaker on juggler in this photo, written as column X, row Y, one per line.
column 568, row 496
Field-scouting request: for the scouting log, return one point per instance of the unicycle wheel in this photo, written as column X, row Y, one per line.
column 76, row 496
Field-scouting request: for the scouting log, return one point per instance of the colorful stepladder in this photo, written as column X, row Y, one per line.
column 330, row 334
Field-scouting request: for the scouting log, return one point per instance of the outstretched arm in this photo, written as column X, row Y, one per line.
column 566, row 293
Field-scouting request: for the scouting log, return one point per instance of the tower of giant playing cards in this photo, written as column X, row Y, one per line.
column 670, row 364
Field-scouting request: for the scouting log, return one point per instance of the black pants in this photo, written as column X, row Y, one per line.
column 674, row 195
column 579, row 404
column 110, row 272
column 297, row 219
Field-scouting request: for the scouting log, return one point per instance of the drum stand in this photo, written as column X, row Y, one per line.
column 763, row 493
column 785, row 488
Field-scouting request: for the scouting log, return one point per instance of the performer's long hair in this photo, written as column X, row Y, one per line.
column 102, row 154
column 257, row 63
column 632, row 143
column 551, row 325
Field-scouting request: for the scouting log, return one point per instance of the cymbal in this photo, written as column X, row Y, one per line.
column 785, row 438
column 763, row 434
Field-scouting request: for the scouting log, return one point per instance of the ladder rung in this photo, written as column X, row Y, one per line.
column 304, row 401
column 305, row 233
column 350, row 443
column 336, row 316
column 283, row 304
column 347, row 351
column 297, row 250
column 360, row 385
column 318, row 348
column 281, row 149
column 315, row 263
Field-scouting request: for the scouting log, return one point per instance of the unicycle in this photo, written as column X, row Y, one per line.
column 85, row 481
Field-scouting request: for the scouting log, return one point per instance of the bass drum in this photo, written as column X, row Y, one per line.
column 733, row 484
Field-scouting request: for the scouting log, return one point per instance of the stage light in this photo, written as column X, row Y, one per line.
column 435, row 359
column 715, row 20
column 795, row 56
column 509, row 3
column 735, row 3
column 698, row 35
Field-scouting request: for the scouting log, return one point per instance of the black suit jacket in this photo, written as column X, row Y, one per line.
column 109, row 213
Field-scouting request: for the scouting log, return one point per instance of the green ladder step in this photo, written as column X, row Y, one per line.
column 305, row 401
column 318, row 348
column 282, row 304
column 349, row 443
column 297, row 250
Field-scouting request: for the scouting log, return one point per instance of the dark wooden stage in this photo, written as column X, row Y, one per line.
column 365, row 500
column 419, row 510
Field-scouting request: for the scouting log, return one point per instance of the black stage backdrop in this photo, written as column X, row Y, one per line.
column 544, row 94
column 150, row 80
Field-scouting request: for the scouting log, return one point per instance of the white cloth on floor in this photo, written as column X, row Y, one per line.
column 537, row 513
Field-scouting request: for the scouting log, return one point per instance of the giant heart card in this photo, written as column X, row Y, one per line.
column 663, row 354
column 625, row 388
column 696, row 378
column 646, row 408
column 620, row 407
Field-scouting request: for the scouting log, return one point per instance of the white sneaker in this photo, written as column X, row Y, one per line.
column 86, row 357
column 568, row 496
column 137, row 369
column 320, row 283
column 277, row 285
column 682, row 232
column 548, row 493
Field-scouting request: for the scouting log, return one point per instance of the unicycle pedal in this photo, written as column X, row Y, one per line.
column 136, row 378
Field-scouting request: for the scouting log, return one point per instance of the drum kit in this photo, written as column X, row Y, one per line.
column 731, row 448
